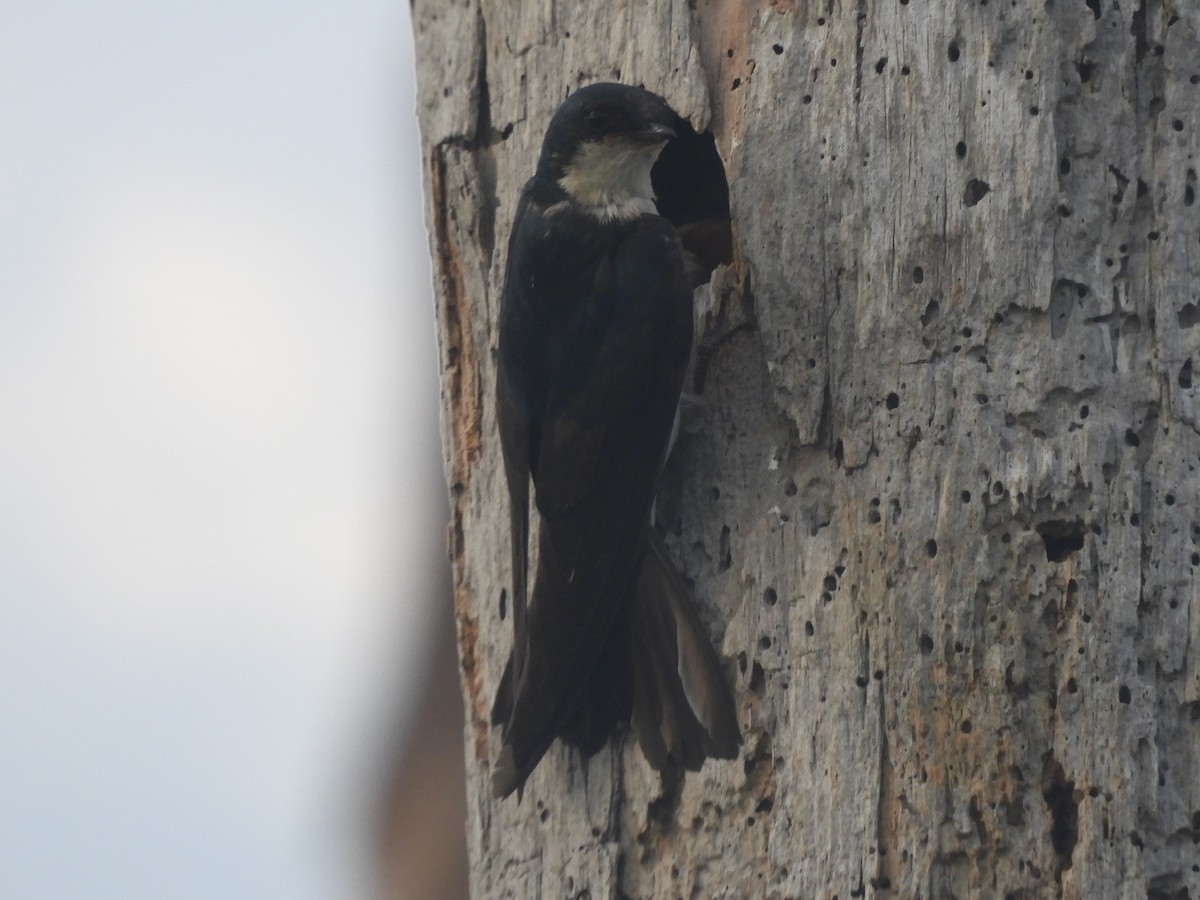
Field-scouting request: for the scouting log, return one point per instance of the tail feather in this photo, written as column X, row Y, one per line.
column 657, row 670
column 682, row 707
column 604, row 706
column 503, row 704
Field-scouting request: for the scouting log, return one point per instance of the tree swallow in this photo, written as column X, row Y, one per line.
column 595, row 333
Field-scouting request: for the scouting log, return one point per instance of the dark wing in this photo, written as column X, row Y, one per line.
column 514, row 397
column 513, row 431
column 614, row 370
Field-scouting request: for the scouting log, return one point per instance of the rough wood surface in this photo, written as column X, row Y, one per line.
column 942, row 512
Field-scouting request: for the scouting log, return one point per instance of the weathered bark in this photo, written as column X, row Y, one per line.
column 942, row 513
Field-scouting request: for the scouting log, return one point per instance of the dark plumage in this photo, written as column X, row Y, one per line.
column 595, row 333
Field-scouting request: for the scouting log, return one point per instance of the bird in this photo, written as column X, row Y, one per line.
column 595, row 331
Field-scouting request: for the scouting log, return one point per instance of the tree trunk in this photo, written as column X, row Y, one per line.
column 942, row 511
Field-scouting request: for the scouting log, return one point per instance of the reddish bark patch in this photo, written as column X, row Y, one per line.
column 460, row 361
column 725, row 28
column 472, row 675
column 463, row 386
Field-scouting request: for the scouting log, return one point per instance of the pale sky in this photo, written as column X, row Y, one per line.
column 219, row 489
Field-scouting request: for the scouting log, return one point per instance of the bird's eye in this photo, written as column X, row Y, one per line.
column 596, row 119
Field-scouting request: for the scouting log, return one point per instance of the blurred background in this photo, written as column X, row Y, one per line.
column 222, row 513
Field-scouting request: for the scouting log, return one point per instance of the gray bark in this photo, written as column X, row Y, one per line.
column 942, row 512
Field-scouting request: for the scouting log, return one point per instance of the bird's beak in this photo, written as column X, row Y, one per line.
column 654, row 133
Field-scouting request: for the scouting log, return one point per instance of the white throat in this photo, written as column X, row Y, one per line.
column 610, row 179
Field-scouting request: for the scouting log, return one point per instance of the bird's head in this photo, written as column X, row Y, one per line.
column 601, row 145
